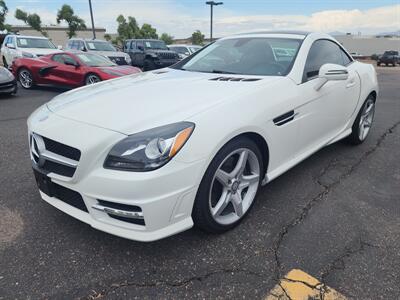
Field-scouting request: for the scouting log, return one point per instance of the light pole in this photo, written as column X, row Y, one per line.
column 212, row 4
column 91, row 16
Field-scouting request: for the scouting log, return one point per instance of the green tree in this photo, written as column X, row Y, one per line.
column 148, row 32
column 168, row 39
column 32, row 20
column 107, row 37
column 66, row 13
column 3, row 13
column 197, row 38
column 127, row 29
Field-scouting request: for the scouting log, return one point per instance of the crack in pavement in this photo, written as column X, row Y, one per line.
column 339, row 262
column 320, row 196
column 322, row 288
column 180, row 283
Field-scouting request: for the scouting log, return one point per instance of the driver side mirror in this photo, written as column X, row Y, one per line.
column 10, row 45
column 331, row 72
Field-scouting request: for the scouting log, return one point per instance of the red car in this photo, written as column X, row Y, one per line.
column 71, row 69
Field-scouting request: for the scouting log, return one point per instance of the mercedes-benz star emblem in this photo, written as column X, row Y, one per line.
column 37, row 147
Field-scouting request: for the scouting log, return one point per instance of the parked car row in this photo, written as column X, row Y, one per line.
column 36, row 60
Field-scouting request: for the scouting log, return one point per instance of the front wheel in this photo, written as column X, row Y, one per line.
column 92, row 79
column 229, row 186
column 25, row 78
column 148, row 65
column 363, row 122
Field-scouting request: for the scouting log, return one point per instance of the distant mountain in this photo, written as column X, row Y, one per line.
column 335, row 33
column 393, row 33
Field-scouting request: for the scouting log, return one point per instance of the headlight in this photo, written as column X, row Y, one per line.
column 5, row 74
column 150, row 149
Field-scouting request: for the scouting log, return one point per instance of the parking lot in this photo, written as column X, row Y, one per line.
column 335, row 216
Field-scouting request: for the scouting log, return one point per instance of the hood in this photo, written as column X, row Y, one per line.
column 110, row 53
column 39, row 51
column 142, row 101
column 122, row 70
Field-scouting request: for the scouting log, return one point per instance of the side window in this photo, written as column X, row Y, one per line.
column 133, row 46
column 321, row 52
column 81, row 45
column 74, row 45
column 58, row 58
column 140, row 45
column 68, row 58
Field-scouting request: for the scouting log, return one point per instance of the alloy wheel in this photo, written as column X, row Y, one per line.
column 366, row 119
column 234, row 186
column 92, row 79
column 25, row 78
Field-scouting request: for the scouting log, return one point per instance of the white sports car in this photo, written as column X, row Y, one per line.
column 150, row 155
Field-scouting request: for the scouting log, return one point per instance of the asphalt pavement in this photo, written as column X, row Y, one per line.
column 335, row 216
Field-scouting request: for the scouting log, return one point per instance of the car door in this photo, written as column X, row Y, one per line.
column 10, row 52
column 325, row 112
column 65, row 74
column 139, row 54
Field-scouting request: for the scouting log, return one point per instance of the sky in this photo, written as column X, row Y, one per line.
column 181, row 17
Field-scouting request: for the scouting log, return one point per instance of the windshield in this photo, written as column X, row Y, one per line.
column 100, row 46
column 34, row 43
column 95, row 60
column 246, row 56
column 155, row 45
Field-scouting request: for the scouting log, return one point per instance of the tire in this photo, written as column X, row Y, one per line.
column 25, row 78
column 227, row 190
column 92, row 79
column 148, row 65
column 363, row 123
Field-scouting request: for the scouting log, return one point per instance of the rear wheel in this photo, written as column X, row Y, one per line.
column 25, row 78
column 363, row 122
column 229, row 186
column 92, row 79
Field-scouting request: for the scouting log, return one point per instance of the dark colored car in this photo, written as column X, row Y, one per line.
column 8, row 84
column 150, row 54
column 389, row 58
column 71, row 69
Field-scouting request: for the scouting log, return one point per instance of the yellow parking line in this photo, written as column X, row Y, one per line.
column 298, row 285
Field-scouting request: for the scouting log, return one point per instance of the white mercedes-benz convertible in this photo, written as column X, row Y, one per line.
column 150, row 155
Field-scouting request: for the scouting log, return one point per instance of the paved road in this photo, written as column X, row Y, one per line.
column 334, row 216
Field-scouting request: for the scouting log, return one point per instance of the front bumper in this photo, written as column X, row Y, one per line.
column 162, row 63
column 165, row 196
column 9, row 87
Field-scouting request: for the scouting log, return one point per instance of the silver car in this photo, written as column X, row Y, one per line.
column 99, row 47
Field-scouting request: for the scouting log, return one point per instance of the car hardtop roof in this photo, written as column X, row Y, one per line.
column 87, row 40
column 183, row 45
column 294, row 32
column 158, row 40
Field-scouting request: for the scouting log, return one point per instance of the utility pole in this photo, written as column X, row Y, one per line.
column 212, row 4
column 91, row 16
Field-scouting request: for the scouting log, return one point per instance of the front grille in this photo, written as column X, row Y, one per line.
column 53, row 167
column 54, row 157
column 167, row 55
column 62, row 149
column 118, row 60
